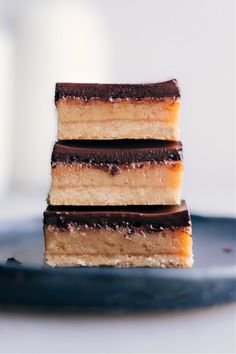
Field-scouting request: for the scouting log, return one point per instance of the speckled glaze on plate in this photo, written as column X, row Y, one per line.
column 211, row 281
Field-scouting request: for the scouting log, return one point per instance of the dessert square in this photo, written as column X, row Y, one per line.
column 118, row 111
column 122, row 237
column 120, row 172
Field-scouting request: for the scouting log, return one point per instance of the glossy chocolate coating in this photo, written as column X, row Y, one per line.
column 148, row 217
column 116, row 151
column 112, row 92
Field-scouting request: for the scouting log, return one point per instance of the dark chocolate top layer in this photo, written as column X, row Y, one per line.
column 150, row 217
column 111, row 92
column 116, row 151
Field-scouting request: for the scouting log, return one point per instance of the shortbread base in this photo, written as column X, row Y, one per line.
column 163, row 261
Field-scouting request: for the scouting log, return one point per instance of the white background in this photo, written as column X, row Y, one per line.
column 42, row 42
column 45, row 41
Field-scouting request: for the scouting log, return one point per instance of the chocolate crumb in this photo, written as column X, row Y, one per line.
column 12, row 260
column 114, row 170
column 227, row 249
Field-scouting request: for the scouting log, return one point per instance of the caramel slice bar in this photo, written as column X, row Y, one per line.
column 131, row 172
column 118, row 111
column 122, row 237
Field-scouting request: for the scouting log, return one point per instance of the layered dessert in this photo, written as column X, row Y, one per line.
column 118, row 111
column 118, row 236
column 120, row 172
column 117, row 170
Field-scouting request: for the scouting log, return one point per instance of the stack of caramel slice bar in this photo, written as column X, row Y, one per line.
column 117, row 172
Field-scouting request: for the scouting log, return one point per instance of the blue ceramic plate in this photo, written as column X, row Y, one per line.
column 212, row 280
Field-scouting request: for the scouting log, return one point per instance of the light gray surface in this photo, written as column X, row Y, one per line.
column 209, row 330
